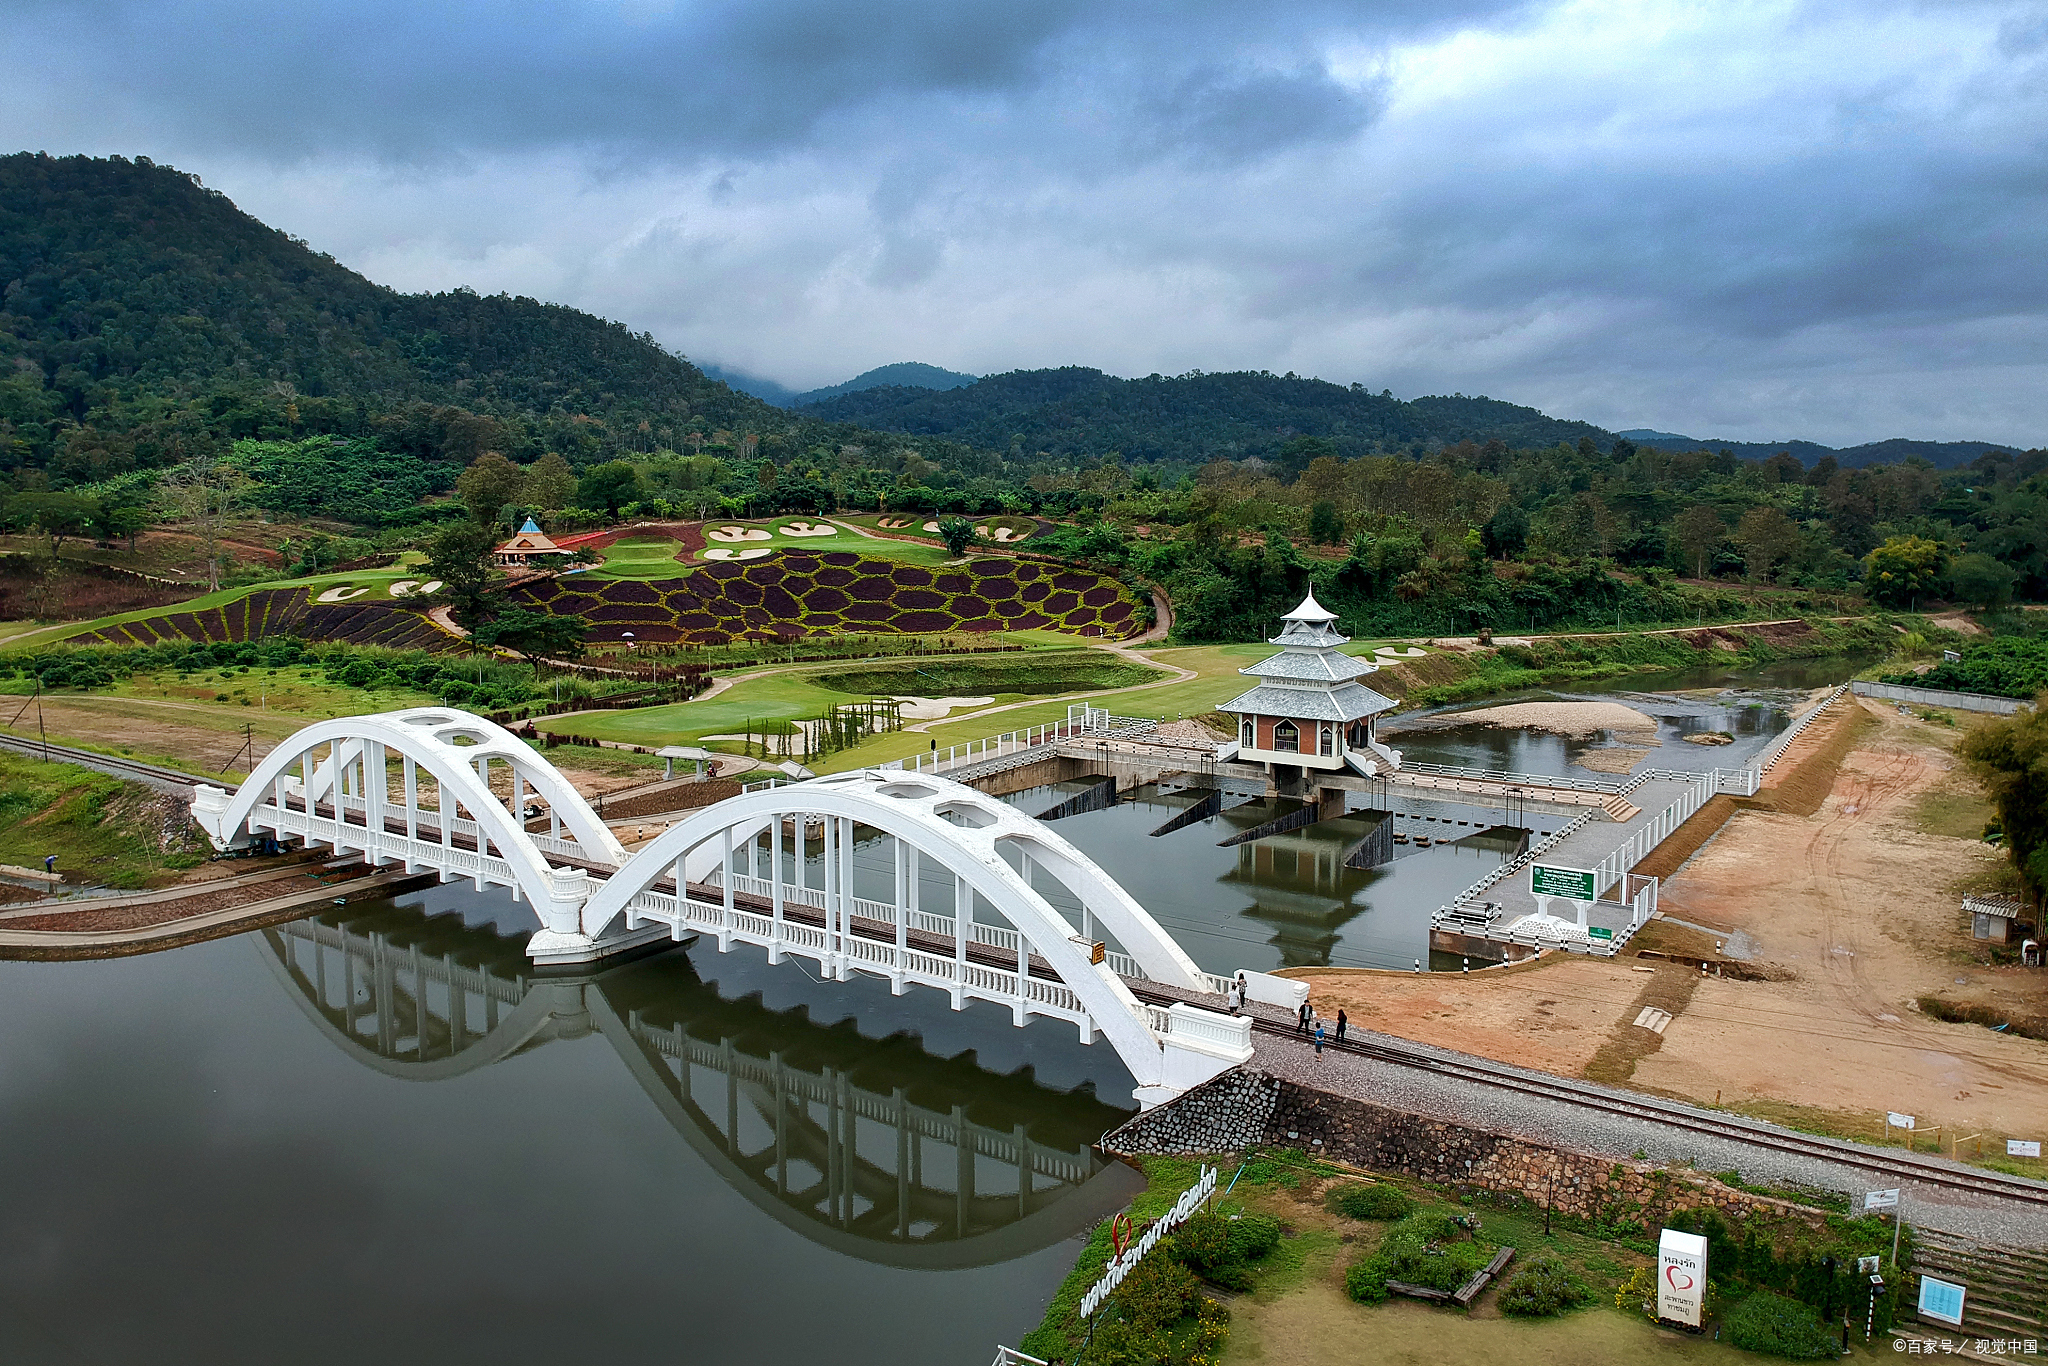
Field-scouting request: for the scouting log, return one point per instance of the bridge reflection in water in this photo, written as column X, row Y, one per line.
column 875, row 1148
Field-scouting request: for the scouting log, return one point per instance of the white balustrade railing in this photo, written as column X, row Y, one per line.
column 1785, row 737
column 1698, row 788
column 1513, row 779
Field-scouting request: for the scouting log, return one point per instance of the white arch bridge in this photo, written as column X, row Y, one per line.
column 959, row 906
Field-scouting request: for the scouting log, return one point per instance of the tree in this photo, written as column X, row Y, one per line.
column 1699, row 531
column 1766, row 536
column 2011, row 757
column 203, row 493
column 1903, row 568
column 56, row 515
column 550, row 483
column 1506, row 533
column 958, row 534
column 608, row 486
column 460, row 556
column 125, row 519
column 1981, row 580
column 534, row 633
column 488, row 485
column 1325, row 525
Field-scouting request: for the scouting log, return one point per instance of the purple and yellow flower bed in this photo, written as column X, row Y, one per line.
column 801, row 594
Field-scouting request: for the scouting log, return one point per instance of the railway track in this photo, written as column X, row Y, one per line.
column 154, row 774
column 1890, row 1165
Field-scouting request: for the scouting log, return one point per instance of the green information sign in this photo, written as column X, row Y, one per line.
column 1595, row 932
column 1576, row 883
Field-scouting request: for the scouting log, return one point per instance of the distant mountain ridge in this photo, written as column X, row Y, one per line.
column 905, row 374
column 1192, row 418
column 1946, row 455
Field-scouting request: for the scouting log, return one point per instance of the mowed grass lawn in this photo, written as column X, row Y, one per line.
column 796, row 694
column 640, row 557
column 1020, row 528
column 840, row 539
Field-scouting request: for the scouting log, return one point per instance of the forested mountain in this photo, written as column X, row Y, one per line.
column 906, row 374
column 1193, row 418
column 140, row 308
column 1943, row 455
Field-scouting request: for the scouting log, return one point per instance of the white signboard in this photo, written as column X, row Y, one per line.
column 1941, row 1301
column 2023, row 1147
column 1120, row 1266
column 1897, row 1120
column 1881, row 1199
column 1681, row 1276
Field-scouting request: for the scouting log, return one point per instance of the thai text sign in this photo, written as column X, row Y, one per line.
column 1941, row 1301
column 1881, row 1199
column 1681, row 1276
column 2023, row 1147
column 1897, row 1120
column 1576, row 883
column 1120, row 1265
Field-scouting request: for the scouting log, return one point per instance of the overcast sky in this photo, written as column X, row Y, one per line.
column 1743, row 220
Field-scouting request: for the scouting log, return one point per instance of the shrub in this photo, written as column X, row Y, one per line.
column 1638, row 1293
column 1204, row 1241
column 1779, row 1327
column 1543, row 1288
column 1253, row 1236
column 1427, row 1248
column 1378, row 1201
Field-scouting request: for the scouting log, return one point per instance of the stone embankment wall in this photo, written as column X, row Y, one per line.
column 1223, row 1115
column 1242, row 1108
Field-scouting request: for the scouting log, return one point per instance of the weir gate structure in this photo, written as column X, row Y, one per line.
column 442, row 789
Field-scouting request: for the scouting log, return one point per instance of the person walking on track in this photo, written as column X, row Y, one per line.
column 1319, row 1038
column 1301, row 1024
column 1342, row 1020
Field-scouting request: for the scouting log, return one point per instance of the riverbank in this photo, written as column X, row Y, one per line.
column 1462, row 671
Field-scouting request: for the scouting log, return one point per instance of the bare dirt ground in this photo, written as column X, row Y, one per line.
column 1851, row 910
column 211, row 738
column 1854, row 908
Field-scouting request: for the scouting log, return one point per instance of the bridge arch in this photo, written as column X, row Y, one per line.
column 962, row 830
column 341, row 791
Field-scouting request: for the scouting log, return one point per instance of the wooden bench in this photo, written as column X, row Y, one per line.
column 1464, row 1294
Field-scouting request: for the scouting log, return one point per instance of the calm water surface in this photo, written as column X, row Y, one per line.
column 256, row 1151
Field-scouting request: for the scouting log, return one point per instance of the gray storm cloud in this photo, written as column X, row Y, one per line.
column 1757, row 220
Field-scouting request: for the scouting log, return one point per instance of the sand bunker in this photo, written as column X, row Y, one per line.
column 738, row 533
column 1576, row 719
column 807, row 529
column 1389, row 652
column 430, row 586
column 932, row 708
column 893, row 523
column 757, row 553
column 341, row 594
column 403, row 588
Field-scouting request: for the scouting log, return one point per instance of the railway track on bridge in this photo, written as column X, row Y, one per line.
column 1562, row 1090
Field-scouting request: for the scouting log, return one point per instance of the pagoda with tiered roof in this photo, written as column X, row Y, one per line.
column 1309, row 711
